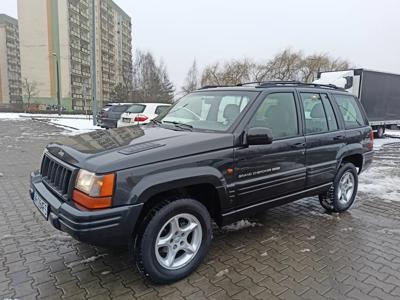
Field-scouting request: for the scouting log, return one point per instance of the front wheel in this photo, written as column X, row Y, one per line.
column 343, row 191
column 175, row 240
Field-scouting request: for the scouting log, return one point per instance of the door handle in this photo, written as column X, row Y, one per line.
column 339, row 137
column 298, row 145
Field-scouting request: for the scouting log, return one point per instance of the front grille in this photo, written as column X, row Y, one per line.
column 55, row 175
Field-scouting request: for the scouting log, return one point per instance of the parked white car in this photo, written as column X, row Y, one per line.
column 141, row 113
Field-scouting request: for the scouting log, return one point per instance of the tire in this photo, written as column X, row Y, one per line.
column 178, row 254
column 380, row 132
column 336, row 200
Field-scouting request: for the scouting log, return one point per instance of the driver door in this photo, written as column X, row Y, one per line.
column 265, row 172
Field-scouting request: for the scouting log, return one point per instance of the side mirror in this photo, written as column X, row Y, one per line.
column 349, row 82
column 259, row 136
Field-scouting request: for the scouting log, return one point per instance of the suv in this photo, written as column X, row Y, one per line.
column 110, row 114
column 220, row 153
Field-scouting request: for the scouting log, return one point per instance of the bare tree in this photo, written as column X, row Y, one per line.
column 286, row 65
column 150, row 80
column 313, row 64
column 30, row 90
column 192, row 81
column 230, row 73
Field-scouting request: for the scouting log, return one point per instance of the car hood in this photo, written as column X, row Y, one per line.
column 103, row 151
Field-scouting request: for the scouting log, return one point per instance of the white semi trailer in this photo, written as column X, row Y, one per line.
column 379, row 93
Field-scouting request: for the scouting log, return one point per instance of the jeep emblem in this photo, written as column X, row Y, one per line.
column 61, row 153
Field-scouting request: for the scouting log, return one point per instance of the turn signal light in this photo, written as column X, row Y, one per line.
column 91, row 202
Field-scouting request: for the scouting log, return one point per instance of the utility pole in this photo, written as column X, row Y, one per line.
column 93, row 66
column 58, row 84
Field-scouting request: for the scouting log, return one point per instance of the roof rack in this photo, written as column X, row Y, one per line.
column 298, row 83
column 214, row 86
column 277, row 83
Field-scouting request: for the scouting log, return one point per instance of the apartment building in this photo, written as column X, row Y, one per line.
column 56, row 37
column 10, row 68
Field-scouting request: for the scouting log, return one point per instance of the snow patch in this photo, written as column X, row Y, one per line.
column 84, row 261
column 389, row 231
column 272, row 238
column 310, row 238
column 242, row 224
column 305, row 250
column 346, row 229
column 9, row 116
column 376, row 182
column 222, row 273
column 264, row 254
column 379, row 143
column 105, row 272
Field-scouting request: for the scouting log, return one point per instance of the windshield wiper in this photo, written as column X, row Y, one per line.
column 157, row 122
column 180, row 125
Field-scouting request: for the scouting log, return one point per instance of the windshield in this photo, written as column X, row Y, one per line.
column 209, row 110
column 136, row 108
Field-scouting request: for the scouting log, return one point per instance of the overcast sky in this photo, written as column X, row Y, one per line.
column 365, row 32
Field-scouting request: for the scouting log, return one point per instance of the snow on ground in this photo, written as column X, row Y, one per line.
column 379, row 143
column 241, row 225
column 74, row 126
column 378, row 182
column 392, row 133
column 9, row 116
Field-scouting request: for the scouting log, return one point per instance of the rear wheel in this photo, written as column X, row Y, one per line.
column 380, row 132
column 343, row 191
column 175, row 240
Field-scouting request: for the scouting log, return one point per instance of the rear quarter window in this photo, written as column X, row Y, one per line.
column 136, row 108
column 350, row 110
column 160, row 109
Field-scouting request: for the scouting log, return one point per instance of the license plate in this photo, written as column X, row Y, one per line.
column 41, row 204
column 126, row 120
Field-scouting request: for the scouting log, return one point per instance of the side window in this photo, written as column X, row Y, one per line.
column 332, row 122
column 350, row 111
column 278, row 113
column 314, row 113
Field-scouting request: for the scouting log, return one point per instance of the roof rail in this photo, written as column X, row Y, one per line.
column 298, row 83
column 275, row 83
column 214, row 86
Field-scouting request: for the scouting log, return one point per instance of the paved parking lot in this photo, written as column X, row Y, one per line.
column 292, row 252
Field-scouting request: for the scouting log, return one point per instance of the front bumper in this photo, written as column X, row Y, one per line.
column 112, row 227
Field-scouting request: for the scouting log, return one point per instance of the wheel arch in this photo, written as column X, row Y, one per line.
column 204, row 184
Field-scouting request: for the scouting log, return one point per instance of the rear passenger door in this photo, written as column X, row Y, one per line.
column 265, row 172
column 323, row 136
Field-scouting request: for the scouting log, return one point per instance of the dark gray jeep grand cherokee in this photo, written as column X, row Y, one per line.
column 220, row 153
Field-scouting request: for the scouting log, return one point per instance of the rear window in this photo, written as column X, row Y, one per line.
column 160, row 109
column 136, row 108
column 120, row 108
column 350, row 111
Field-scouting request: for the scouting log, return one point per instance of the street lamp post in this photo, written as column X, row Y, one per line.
column 58, row 84
column 93, row 64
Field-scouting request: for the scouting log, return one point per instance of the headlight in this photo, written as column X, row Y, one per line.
column 95, row 185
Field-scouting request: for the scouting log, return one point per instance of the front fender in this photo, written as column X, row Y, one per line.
column 156, row 183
